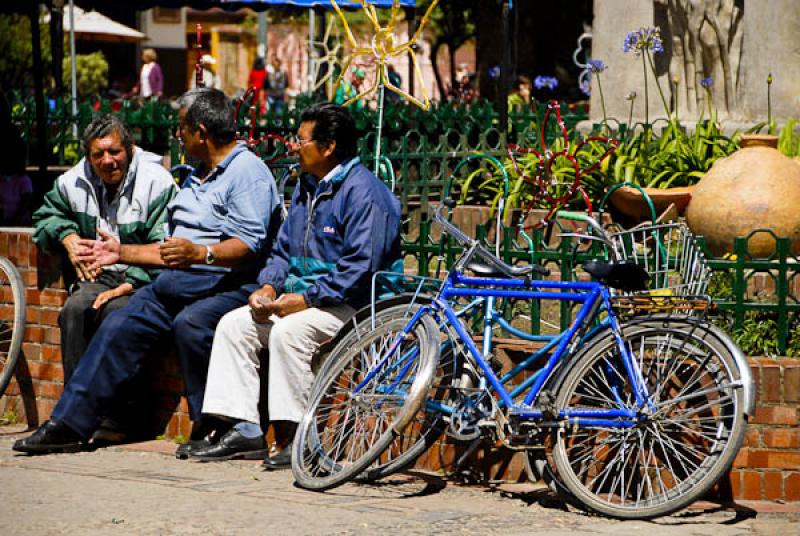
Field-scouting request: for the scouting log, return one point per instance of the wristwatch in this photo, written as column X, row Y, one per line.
column 210, row 256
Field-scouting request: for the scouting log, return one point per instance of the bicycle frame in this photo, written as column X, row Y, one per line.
column 591, row 295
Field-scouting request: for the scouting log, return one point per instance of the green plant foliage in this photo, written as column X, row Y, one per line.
column 788, row 140
column 16, row 51
column 9, row 417
column 644, row 157
column 675, row 158
column 757, row 335
column 92, row 72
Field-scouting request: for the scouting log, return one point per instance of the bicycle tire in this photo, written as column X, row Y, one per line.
column 427, row 426
column 12, row 325
column 674, row 456
column 343, row 433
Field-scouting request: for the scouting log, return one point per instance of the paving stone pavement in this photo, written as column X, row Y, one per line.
column 142, row 489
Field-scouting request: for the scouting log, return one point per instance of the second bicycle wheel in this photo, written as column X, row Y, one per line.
column 680, row 444
column 12, row 320
column 364, row 400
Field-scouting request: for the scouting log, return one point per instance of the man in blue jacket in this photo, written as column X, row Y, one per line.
column 342, row 227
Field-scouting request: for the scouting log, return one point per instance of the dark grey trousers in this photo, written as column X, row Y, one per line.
column 78, row 321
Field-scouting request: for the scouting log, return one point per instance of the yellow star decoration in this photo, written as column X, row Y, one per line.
column 330, row 45
column 383, row 48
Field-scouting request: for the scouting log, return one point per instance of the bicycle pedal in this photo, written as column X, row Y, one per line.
column 495, row 364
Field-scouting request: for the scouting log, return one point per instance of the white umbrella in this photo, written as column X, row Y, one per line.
column 94, row 26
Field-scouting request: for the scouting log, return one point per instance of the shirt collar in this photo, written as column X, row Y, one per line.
column 338, row 173
column 238, row 148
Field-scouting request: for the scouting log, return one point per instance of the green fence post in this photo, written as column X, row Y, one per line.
column 739, row 282
column 782, row 291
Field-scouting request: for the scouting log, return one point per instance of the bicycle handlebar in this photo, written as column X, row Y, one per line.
column 585, row 218
column 478, row 249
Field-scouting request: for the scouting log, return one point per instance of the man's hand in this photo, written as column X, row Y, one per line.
column 108, row 295
column 181, row 253
column 286, row 305
column 72, row 243
column 98, row 253
column 259, row 302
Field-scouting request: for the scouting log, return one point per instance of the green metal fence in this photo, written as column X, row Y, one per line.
column 423, row 148
column 741, row 285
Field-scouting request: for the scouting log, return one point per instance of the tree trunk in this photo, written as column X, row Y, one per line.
column 437, row 75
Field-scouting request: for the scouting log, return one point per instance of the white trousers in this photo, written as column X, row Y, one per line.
column 233, row 386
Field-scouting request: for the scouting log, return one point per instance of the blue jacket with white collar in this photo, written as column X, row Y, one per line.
column 337, row 234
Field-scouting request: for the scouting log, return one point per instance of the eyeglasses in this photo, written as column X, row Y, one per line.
column 297, row 140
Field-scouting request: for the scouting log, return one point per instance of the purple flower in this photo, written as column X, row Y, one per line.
column 706, row 82
column 494, row 72
column 597, row 66
column 586, row 87
column 542, row 82
column 643, row 39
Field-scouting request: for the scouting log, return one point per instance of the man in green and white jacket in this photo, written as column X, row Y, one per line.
column 120, row 189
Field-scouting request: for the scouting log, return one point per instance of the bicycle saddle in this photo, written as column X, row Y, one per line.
column 484, row 269
column 627, row 276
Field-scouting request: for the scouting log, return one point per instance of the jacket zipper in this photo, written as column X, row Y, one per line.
column 308, row 225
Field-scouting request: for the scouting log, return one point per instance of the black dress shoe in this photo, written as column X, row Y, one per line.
column 185, row 450
column 281, row 460
column 205, row 433
column 233, row 445
column 50, row 437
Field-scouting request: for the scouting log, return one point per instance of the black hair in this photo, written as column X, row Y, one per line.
column 522, row 80
column 333, row 123
column 258, row 64
column 211, row 108
column 103, row 125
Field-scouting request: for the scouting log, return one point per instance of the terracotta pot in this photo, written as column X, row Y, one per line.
column 629, row 207
column 756, row 187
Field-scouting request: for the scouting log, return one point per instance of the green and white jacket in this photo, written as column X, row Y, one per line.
column 136, row 213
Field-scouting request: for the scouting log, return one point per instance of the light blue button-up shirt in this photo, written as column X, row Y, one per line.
column 236, row 200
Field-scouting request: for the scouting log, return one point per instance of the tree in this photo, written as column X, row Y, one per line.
column 91, row 70
column 16, row 51
column 451, row 27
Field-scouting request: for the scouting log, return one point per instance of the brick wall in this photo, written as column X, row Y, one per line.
column 39, row 378
column 767, row 467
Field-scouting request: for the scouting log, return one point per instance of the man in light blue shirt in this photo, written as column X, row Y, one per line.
column 220, row 227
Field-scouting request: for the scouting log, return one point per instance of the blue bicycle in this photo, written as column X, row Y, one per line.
column 634, row 411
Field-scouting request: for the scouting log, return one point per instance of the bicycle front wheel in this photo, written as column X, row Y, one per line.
column 681, row 442
column 12, row 320
column 366, row 398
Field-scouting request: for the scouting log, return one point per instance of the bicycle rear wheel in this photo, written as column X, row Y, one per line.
column 12, row 320
column 365, row 398
column 680, row 444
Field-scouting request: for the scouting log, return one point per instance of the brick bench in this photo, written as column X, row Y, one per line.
column 39, row 378
column 767, row 467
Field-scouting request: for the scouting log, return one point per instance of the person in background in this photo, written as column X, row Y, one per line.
column 16, row 187
column 210, row 78
column 221, row 224
column 256, row 80
column 348, row 90
column 151, row 79
column 343, row 226
column 121, row 190
column 520, row 96
column 275, row 85
column 396, row 80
